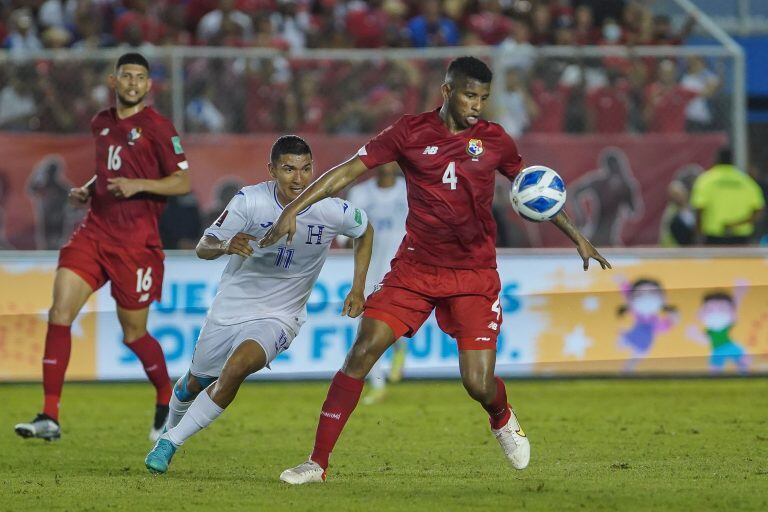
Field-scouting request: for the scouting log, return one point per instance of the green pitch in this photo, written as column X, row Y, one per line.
column 687, row 445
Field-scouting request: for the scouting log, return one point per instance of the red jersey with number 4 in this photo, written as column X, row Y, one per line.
column 144, row 145
column 450, row 179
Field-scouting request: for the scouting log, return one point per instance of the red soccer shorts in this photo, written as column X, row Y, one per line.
column 466, row 302
column 136, row 273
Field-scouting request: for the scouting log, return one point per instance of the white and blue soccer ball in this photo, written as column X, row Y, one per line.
column 538, row 193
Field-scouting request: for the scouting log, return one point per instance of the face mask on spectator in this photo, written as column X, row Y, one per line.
column 612, row 32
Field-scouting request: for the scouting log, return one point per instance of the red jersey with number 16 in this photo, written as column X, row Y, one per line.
column 450, row 179
column 144, row 145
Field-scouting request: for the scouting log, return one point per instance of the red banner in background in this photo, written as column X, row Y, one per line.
column 616, row 184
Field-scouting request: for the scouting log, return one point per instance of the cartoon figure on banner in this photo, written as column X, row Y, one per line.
column 646, row 301
column 718, row 314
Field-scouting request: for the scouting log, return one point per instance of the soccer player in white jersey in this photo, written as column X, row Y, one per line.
column 384, row 199
column 261, row 302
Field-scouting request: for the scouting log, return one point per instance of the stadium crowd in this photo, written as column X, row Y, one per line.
column 289, row 93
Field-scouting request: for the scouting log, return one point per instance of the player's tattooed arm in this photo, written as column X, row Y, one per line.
column 584, row 246
column 79, row 196
column 209, row 247
column 363, row 247
column 327, row 185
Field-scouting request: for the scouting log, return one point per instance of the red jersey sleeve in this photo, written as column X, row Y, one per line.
column 385, row 147
column 168, row 150
column 511, row 162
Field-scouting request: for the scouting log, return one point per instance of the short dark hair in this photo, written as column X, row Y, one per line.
column 718, row 295
column 725, row 156
column 290, row 145
column 132, row 58
column 469, row 67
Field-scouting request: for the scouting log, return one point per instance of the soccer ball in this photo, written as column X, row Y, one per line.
column 538, row 193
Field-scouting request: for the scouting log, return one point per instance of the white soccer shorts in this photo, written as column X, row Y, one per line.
column 217, row 342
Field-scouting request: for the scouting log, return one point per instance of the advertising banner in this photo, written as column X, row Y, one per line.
column 671, row 312
column 616, row 183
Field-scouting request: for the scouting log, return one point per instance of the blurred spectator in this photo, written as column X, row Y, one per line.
column 4, row 194
column 51, row 14
column 663, row 33
column 49, row 190
column 551, row 100
column 290, row 24
column 611, row 33
column 136, row 26
column 224, row 190
column 541, row 25
column 367, row 24
column 180, row 226
column 489, row 24
column 585, row 32
column 666, row 101
column 431, row 28
column 602, row 9
column 699, row 79
column 678, row 222
column 517, row 50
column 224, row 23
column 608, row 106
column 18, row 108
column 22, row 36
column 517, row 106
column 728, row 203
column 202, row 115
column 87, row 30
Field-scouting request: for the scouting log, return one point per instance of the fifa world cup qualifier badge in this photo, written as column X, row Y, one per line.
column 475, row 149
column 133, row 136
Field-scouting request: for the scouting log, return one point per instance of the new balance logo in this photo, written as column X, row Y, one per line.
column 50, row 361
column 430, row 150
column 104, row 131
column 493, row 326
column 332, row 415
column 144, row 297
column 482, row 338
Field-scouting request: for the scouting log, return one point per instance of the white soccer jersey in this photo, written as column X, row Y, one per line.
column 387, row 209
column 276, row 281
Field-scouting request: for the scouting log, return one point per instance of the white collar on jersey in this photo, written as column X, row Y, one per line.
column 274, row 194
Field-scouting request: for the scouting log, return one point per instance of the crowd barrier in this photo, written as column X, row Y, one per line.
column 691, row 312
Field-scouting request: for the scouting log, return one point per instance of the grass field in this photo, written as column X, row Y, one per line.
column 686, row 445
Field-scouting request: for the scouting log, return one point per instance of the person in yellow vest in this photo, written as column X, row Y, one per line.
column 728, row 203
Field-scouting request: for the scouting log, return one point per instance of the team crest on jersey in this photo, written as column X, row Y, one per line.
column 475, row 148
column 133, row 136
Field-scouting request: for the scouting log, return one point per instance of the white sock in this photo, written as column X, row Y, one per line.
column 176, row 410
column 200, row 414
column 377, row 377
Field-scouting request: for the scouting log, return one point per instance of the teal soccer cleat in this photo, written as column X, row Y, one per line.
column 159, row 458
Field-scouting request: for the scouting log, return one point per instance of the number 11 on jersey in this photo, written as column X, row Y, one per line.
column 449, row 176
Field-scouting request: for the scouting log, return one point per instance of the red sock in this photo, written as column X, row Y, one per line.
column 341, row 401
column 498, row 410
column 58, row 345
column 148, row 350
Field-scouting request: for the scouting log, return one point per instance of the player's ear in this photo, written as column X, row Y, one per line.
column 112, row 81
column 271, row 169
column 149, row 84
column 445, row 89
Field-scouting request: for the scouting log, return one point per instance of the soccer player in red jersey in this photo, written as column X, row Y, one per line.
column 447, row 261
column 139, row 161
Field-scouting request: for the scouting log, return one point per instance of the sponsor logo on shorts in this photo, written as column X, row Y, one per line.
column 144, row 297
column 332, row 415
column 482, row 338
column 493, row 326
column 50, row 361
column 105, row 131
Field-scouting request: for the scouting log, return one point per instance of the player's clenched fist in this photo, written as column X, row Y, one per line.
column 353, row 304
column 239, row 244
column 79, row 196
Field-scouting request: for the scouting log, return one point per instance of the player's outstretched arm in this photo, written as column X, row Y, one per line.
column 209, row 247
column 584, row 246
column 177, row 184
column 328, row 185
column 363, row 247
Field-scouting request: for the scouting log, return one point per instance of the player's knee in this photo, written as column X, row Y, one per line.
column 61, row 315
column 480, row 388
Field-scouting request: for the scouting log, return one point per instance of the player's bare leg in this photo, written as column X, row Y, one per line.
column 149, row 352
column 477, row 375
column 249, row 357
column 373, row 338
column 70, row 292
